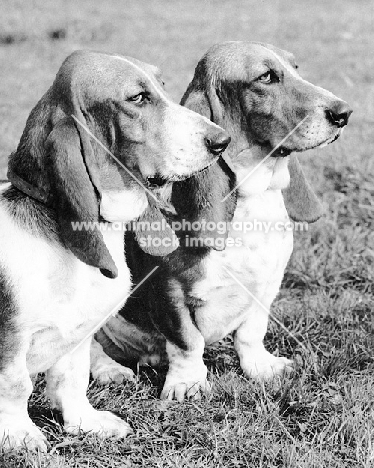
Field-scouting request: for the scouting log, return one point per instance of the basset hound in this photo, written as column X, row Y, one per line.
column 100, row 136
column 200, row 295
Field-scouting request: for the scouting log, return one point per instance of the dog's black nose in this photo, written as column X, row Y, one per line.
column 339, row 113
column 218, row 143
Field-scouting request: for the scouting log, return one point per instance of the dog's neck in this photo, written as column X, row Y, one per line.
column 256, row 171
column 123, row 205
column 30, row 214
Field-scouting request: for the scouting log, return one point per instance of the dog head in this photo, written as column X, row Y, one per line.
column 103, row 129
column 255, row 92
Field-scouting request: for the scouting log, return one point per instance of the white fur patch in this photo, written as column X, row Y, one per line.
column 59, row 301
column 4, row 187
column 67, row 382
column 258, row 264
column 272, row 174
column 187, row 375
column 71, row 296
column 281, row 175
column 124, row 205
column 104, row 369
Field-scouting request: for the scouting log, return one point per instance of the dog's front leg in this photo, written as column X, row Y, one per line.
column 104, row 369
column 16, row 428
column 67, row 383
column 255, row 360
column 187, row 374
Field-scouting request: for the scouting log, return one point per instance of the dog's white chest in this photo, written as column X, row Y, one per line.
column 59, row 299
column 255, row 268
column 261, row 225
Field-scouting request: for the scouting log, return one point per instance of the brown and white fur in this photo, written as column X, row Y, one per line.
column 88, row 147
column 254, row 91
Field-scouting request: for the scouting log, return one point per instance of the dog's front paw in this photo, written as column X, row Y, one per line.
column 111, row 371
column 185, row 390
column 264, row 365
column 102, row 423
column 179, row 387
column 21, row 434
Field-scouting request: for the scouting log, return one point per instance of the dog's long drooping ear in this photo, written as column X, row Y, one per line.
column 154, row 234
column 198, row 200
column 301, row 202
column 197, row 101
column 72, row 175
column 201, row 95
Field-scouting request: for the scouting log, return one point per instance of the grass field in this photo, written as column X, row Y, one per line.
column 322, row 416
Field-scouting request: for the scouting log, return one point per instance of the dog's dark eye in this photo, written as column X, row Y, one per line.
column 139, row 98
column 268, row 77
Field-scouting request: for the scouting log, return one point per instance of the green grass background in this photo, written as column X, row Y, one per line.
column 322, row 416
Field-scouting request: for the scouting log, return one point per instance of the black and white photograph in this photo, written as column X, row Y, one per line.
column 186, row 234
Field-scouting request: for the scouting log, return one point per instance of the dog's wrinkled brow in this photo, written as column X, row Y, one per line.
column 154, row 82
column 290, row 69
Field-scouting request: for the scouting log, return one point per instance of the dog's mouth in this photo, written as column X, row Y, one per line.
column 281, row 152
column 332, row 139
column 156, row 181
column 275, row 151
